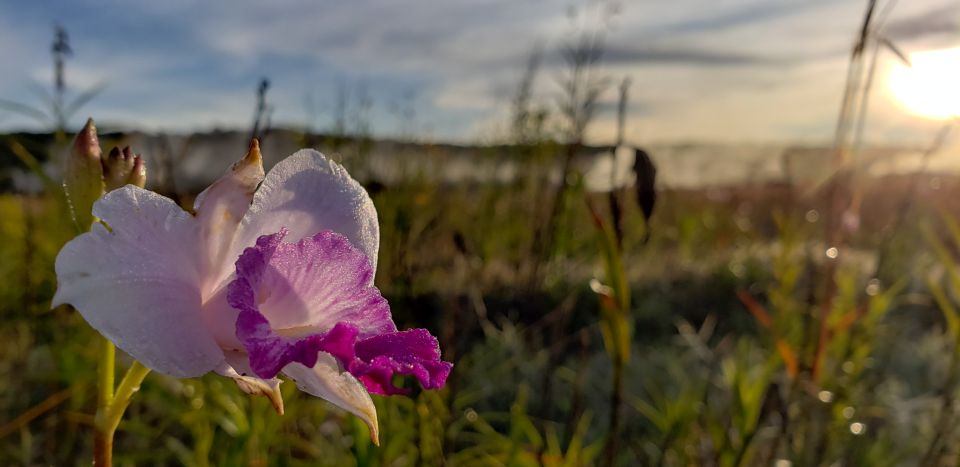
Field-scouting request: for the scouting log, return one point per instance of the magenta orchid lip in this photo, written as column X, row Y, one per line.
column 325, row 280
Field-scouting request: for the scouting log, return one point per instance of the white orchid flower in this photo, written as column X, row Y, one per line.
column 272, row 274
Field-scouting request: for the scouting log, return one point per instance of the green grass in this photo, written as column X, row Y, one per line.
column 705, row 383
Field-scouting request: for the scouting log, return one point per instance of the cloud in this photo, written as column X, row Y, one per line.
column 178, row 64
column 681, row 56
column 942, row 20
column 739, row 15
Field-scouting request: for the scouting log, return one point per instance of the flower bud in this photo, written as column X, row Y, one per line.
column 123, row 167
column 138, row 176
column 83, row 175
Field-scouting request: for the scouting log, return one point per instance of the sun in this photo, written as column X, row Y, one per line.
column 931, row 86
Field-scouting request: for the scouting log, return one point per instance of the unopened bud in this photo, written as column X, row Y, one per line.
column 122, row 167
column 138, row 176
column 83, row 175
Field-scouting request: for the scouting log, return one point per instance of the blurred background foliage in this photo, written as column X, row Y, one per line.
column 867, row 377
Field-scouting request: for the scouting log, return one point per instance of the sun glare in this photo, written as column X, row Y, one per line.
column 931, row 87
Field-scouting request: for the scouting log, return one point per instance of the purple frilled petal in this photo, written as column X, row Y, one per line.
column 414, row 352
column 320, row 290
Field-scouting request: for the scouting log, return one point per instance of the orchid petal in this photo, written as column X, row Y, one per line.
column 308, row 193
column 219, row 210
column 325, row 380
column 235, row 366
column 314, row 284
column 414, row 352
column 137, row 282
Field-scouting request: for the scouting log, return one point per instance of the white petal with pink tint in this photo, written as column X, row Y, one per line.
column 307, row 193
column 219, row 210
column 138, row 282
column 235, row 366
column 325, row 380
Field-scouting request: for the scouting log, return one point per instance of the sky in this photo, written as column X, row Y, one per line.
column 752, row 71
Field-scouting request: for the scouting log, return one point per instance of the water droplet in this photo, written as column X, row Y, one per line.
column 825, row 396
column 857, row 428
column 471, row 415
column 848, row 367
column 812, row 216
column 832, row 252
column 873, row 287
column 848, row 412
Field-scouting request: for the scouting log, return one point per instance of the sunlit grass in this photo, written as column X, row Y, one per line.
column 699, row 361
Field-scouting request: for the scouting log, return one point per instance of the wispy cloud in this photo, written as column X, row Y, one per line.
column 179, row 64
column 942, row 20
column 682, row 56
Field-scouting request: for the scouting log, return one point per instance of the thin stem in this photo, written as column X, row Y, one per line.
column 109, row 414
column 106, row 368
column 106, row 373
column 616, row 400
column 742, row 451
column 128, row 386
column 102, row 448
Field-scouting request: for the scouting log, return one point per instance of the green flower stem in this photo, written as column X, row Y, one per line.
column 128, row 385
column 112, row 404
column 106, row 373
